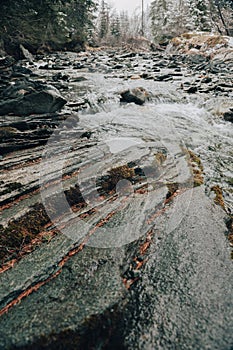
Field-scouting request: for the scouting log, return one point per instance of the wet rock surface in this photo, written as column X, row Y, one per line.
column 26, row 97
column 228, row 116
column 180, row 289
column 137, row 96
column 28, row 107
column 176, row 300
column 106, row 240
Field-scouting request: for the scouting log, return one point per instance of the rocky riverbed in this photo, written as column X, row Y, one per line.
column 116, row 201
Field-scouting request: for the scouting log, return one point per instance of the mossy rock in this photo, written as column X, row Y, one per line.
column 108, row 182
column 121, row 172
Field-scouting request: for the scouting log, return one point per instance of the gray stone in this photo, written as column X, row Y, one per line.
column 68, row 309
column 228, row 116
column 25, row 53
column 26, row 100
column 137, row 95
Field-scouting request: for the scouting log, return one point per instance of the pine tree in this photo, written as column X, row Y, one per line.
column 159, row 12
column 103, row 20
column 174, row 17
column 115, row 27
column 199, row 10
column 45, row 22
column 224, row 11
column 125, row 25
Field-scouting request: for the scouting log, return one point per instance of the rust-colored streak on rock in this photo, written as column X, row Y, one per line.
column 129, row 283
column 19, row 199
column 36, row 191
column 27, row 292
column 141, row 257
column 8, row 265
column 138, row 261
column 64, row 260
column 70, row 254
column 145, row 246
column 25, row 164
column 34, row 288
column 26, row 249
column 155, row 215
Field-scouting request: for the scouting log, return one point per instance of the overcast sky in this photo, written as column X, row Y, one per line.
column 129, row 5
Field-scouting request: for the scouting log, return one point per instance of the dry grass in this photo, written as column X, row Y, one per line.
column 197, row 168
column 218, row 196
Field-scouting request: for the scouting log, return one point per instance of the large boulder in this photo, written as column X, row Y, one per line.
column 137, row 95
column 27, row 97
column 199, row 43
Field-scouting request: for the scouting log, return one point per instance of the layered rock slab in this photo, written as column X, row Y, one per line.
column 182, row 299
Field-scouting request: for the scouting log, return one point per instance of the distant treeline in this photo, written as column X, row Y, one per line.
column 68, row 24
